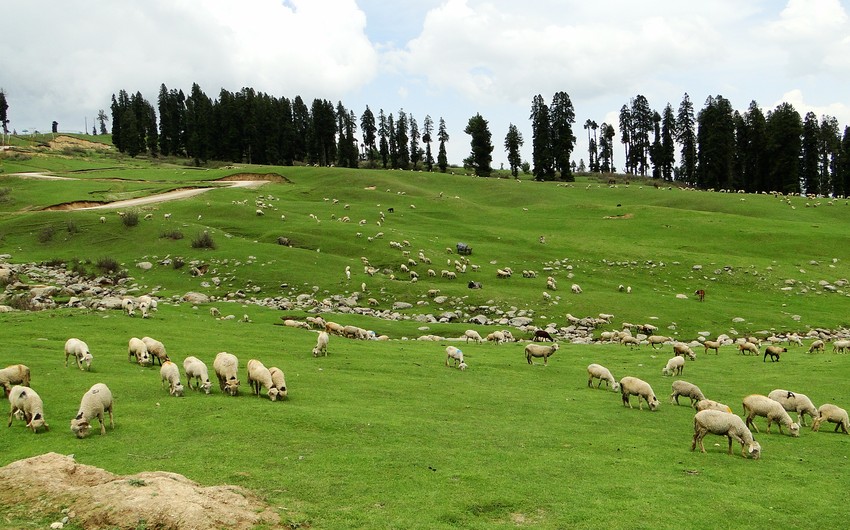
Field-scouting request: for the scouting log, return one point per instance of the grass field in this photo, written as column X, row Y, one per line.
column 383, row 435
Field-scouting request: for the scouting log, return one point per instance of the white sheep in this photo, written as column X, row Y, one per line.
column 675, row 366
column 680, row 348
column 832, row 414
column 169, row 373
column 26, row 401
column 137, row 351
column 632, row 386
column 496, row 336
column 321, row 344
column 575, row 288
column 156, row 350
column 259, row 376
column 80, row 351
column 471, row 334
column 455, row 354
column 537, row 350
column 278, row 381
column 15, row 374
column 816, row 346
column 102, row 219
column 628, row 340
column 129, row 306
column 95, row 402
column 758, row 405
column 214, row 312
column 724, row 424
column 657, row 339
column 689, row 390
column 709, row 404
column 597, row 371
column 146, row 304
column 840, row 346
column 196, row 369
column 712, row 345
column 795, row 402
column 462, row 366
column 226, row 366
column 747, row 348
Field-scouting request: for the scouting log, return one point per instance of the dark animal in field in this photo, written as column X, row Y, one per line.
column 700, row 294
column 541, row 335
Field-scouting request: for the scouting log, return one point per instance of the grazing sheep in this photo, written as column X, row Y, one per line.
column 214, row 312
column 632, row 386
column 226, row 366
column 196, row 369
column 462, row 366
column 575, row 288
column 137, row 351
column 497, row 336
column 674, row 366
column 80, row 351
column 278, row 381
column 146, row 305
column 774, row 352
column 259, row 376
column 712, row 345
column 26, row 401
column 816, row 346
column 129, row 306
column 689, row 390
column 597, row 371
column 657, row 339
column 840, row 346
column 709, row 404
column 536, row 350
column 95, row 402
column 747, row 348
column 680, row 348
column 728, row 425
column 795, row 402
column 455, row 354
column 541, row 335
column 171, row 374
column 832, row 414
column 102, row 219
column 471, row 334
column 758, row 405
column 16, row 374
column 321, row 344
column 334, row 328
column 630, row 341
column 156, row 350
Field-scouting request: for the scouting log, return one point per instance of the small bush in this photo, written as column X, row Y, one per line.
column 172, row 234
column 5, row 194
column 204, row 240
column 108, row 266
column 21, row 302
column 130, row 219
column 79, row 269
column 71, row 227
column 46, row 234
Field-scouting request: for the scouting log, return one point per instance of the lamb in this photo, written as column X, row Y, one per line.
column 795, row 402
column 597, row 371
column 709, row 404
column 575, row 288
column 169, row 373
column 196, row 369
column 455, row 354
column 146, row 305
column 747, row 348
column 632, row 386
column 683, row 388
column 321, row 344
column 95, row 402
column 137, row 351
column 259, row 376
column 226, row 366
column 758, row 405
column 816, row 346
column 16, row 374
column 471, row 334
column 674, row 366
column 680, row 348
column 278, row 381
column 712, row 345
column 129, row 306
column 774, row 352
column 832, row 414
column 840, row 346
column 27, row 401
column 80, row 351
column 728, row 425
column 536, row 350
column 657, row 339
column 156, row 350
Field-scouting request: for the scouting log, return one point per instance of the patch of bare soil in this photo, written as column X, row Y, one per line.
column 74, row 205
column 100, row 499
column 62, row 141
column 624, row 216
column 270, row 177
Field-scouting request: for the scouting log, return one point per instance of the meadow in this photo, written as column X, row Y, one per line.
column 382, row 434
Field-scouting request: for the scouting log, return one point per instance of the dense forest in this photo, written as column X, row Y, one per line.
column 717, row 147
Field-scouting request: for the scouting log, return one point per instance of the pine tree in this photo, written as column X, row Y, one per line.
column 542, row 159
column 842, row 179
column 415, row 152
column 686, row 136
column 402, row 139
column 784, row 128
column 562, row 116
column 655, row 152
column 716, row 144
column 300, row 129
column 369, row 129
column 668, row 144
column 752, row 151
column 427, row 129
column 809, row 156
column 393, row 141
column 830, row 147
column 443, row 138
column 4, row 117
column 480, row 157
column 513, row 142
column 641, row 124
column 384, row 133
column 626, row 137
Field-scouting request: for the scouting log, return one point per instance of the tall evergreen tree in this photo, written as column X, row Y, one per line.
column 752, row 150
column 415, row 151
column 513, row 142
column 641, row 125
column 587, row 127
column 393, row 141
column 369, row 129
column 199, row 120
column 346, row 146
column 427, row 130
column 626, row 137
column 843, row 177
column 402, row 139
column 101, row 121
column 606, row 148
column 809, row 155
column 301, row 126
column 4, row 116
column 443, row 138
column 480, row 157
column 542, row 157
column 686, row 136
column 716, row 144
column 562, row 116
column 830, row 147
column 324, row 132
column 384, row 134
column 784, row 128
column 667, row 158
column 655, row 151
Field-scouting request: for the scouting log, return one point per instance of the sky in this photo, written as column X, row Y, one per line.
column 449, row 59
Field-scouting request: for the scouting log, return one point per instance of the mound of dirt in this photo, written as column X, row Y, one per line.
column 99, row 499
column 62, row 141
column 271, row 177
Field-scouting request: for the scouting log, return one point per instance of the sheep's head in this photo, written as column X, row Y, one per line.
column 37, row 422
column 231, row 386
column 177, row 390
column 795, row 429
column 206, row 386
column 80, row 427
column 754, row 450
column 615, row 387
column 273, row 392
column 462, row 366
column 87, row 359
column 653, row 404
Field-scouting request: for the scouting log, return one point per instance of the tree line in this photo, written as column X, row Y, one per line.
column 717, row 148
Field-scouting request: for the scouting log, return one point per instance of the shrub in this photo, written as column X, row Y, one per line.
column 204, row 240
column 46, row 234
column 71, row 226
column 79, row 269
column 21, row 302
column 108, row 266
column 172, row 234
column 130, row 219
column 4, row 194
